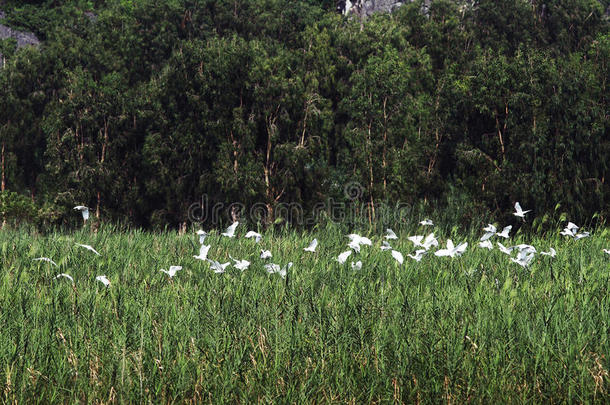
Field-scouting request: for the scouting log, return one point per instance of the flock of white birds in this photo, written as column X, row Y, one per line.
column 422, row 244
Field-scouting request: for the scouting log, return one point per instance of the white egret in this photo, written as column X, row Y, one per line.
column 519, row 212
column 505, row 232
column 84, row 211
column 275, row 268
column 490, row 231
column 230, row 232
column 240, row 264
column 504, row 249
column 217, row 266
column 202, row 235
column 357, row 240
column 88, row 248
column 581, row 235
column 419, row 253
column 416, row 239
column 104, row 280
column 203, row 252
column 343, row 256
column 552, row 252
column 398, row 256
column 390, row 234
column 251, row 234
column 69, row 277
column 429, row 241
column 172, row 271
column 312, row 246
column 265, row 254
column 385, row 245
column 451, row 250
column 607, row 251
column 570, row 229
column 486, row 244
column 426, row 222
column 357, row 266
column 45, row 259
column 524, row 258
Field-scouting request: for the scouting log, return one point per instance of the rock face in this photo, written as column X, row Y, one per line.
column 365, row 8
column 23, row 38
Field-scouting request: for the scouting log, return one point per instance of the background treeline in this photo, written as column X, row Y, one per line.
column 138, row 108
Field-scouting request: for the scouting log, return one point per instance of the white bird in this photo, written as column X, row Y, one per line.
column 104, row 280
column 504, row 249
column 581, row 235
column 88, row 248
column 607, row 251
column 426, row 222
column 524, row 258
column 570, row 229
column 265, row 254
column 217, row 266
column 312, row 246
column 202, row 235
column 357, row 266
column 552, row 252
column 275, row 268
column 390, row 234
column 172, row 271
column 490, row 231
column 398, row 256
column 385, row 245
column 519, row 212
column 525, row 247
column 418, row 254
column 251, row 234
column 451, row 250
column 69, row 277
column 505, row 232
column 203, row 252
column 230, row 232
column 343, row 256
column 45, row 259
column 486, row 244
column 357, row 240
column 83, row 210
column 240, row 264
column 416, row 239
column 429, row 241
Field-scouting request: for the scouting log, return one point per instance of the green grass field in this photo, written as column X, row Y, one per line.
column 477, row 328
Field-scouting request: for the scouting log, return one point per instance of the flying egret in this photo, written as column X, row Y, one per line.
column 172, row 271
column 104, row 280
column 84, row 211
column 416, row 239
column 519, row 212
column 504, row 249
column 343, row 256
column 505, row 232
column 524, row 258
column 357, row 266
column 398, row 256
column 486, row 244
column 251, row 234
column 419, row 253
column 357, row 240
column 451, row 250
column 312, row 246
column 552, row 252
column 581, row 235
column 426, row 222
column 390, row 234
column 275, row 268
column 525, row 247
column 203, row 252
column 429, row 241
column 217, row 266
column 490, row 231
column 202, row 235
column 69, row 277
column 385, row 245
column 354, row 245
column 230, row 232
column 88, row 248
column 240, row 264
column 265, row 254
column 45, row 259
column 607, row 251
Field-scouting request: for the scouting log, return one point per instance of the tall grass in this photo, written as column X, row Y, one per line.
column 476, row 328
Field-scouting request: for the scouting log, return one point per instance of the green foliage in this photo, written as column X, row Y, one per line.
column 141, row 108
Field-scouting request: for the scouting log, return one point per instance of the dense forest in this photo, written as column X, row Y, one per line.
column 140, row 108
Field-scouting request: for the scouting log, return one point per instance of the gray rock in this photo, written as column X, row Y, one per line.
column 23, row 38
